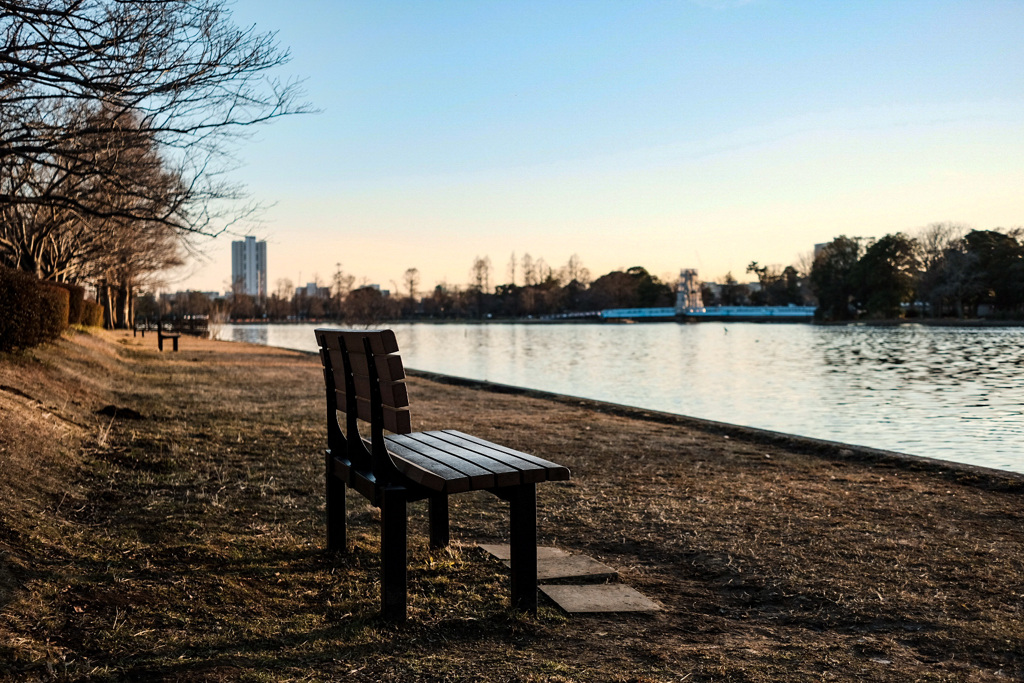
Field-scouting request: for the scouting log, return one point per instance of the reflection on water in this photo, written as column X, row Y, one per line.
column 951, row 393
column 254, row 334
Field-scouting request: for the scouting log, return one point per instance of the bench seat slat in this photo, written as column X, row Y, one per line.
column 529, row 473
column 553, row 471
column 337, row 365
column 381, row 341
column 427, row 471
column 389, row 368
column 394, row 394
column 358, row 362
column 484, row 464
column 479, row 477
column 397, row 421
column 502, row 474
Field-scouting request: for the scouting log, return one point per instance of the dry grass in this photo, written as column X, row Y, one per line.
column 184, row 542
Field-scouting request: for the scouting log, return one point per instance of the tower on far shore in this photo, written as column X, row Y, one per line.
column 688, row 294
column 249, row 267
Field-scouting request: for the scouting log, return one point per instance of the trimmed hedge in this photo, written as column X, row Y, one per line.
column 76, row 299
column 17, row 292
column 92, row 314
column 31, row 311
column 53, row 310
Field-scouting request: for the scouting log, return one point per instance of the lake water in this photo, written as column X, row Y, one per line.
column 950, row 393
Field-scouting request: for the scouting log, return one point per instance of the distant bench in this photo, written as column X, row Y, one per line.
column 193, row 325
column 161, row 334
column 364, row 379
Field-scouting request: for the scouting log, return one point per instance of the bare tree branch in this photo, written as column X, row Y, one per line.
column 179, row 70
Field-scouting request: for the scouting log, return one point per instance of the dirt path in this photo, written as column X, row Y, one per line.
column 189, row 543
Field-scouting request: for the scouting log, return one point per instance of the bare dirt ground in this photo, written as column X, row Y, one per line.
column 161, row 518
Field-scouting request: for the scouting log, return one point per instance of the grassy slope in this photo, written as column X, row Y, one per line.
column 184, row 542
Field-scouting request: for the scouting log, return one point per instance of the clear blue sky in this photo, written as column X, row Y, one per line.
column 695, row 133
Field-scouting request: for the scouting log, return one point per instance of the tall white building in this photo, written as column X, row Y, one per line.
column 249, row 267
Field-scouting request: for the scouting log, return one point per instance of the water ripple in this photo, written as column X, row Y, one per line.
column 950, row 393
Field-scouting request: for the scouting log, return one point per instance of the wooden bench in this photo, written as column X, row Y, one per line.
column 161, row 335
column 364, row 378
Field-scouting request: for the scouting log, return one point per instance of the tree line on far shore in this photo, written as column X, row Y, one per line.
column 118, row 120
column 535, row 290
column 946, row 270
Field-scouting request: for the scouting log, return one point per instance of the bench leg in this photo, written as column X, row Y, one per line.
column 439, row 534
column 175, row 345
column 393, row 553
column 336, row 531
column 159, row 342
column 523, row 547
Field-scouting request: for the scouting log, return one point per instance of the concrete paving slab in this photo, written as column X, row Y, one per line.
column 575, row 567
column 555, row 564
column 603, row 598
column 502, row 552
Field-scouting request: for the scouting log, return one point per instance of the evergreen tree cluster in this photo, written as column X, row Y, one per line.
column 946, row 271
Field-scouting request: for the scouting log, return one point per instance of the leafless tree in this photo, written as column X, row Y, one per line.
column 936, row 239
column 412, row 281
column 947, row 271
column 178, row 69
column 136, row 254
column 529, row 270
column 481, row 272
column 284, row 288
column 542, row 272
column 574, row 270
column 342, row 284
column 804, row 263
column 957, row 282
column 368, row 306
column 121, row 170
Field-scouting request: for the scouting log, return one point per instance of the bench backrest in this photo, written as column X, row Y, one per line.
column 365, row 379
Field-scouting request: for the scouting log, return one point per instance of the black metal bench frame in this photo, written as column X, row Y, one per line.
column 364, row 379
column 161, row 335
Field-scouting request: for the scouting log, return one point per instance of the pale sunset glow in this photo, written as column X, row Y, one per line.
column 684, row 134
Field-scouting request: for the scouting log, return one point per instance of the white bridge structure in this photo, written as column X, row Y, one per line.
column 690, row 307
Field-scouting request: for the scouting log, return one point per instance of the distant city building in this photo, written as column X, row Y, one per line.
column 312, row 290
column 249, row 267
column 190, row 292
